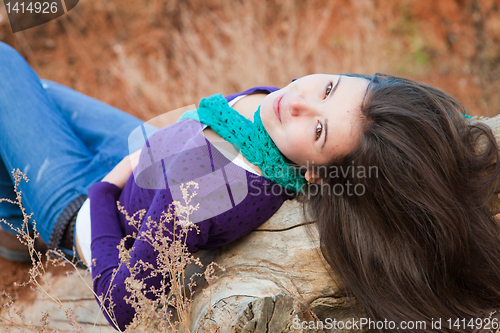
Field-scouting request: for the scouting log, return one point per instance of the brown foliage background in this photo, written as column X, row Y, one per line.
column 150, row 56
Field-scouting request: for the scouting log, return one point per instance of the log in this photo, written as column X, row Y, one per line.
column 272, row 276
column 74, row 294
column 494, row 124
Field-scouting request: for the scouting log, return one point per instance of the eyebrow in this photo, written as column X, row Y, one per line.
column 326, row 120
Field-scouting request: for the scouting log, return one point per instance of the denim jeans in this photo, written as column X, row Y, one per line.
column 62, row 140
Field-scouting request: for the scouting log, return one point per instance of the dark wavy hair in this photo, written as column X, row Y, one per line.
column 420, row 242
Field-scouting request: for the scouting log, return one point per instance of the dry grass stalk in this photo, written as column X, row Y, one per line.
column 168, row 312
column 38, row 274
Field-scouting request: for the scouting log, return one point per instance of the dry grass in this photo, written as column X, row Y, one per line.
column 168, row 312
column 170, row 309
column 38, row 282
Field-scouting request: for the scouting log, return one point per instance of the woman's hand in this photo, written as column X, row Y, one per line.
column 122, row 171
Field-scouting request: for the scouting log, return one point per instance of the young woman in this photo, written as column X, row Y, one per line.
column 417, row 244
column 420, row 243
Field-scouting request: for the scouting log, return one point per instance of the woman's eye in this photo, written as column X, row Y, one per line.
column 319, row 129
column 329, row 89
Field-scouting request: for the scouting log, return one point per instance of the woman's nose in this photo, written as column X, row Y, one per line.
column 301, row 107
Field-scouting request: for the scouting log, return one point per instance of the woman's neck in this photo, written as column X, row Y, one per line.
column 246, row 107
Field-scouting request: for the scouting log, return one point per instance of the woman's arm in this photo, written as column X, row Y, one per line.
column 108, row 273
column 122, row 171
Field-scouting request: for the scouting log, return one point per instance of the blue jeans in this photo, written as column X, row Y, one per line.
column 62, row 140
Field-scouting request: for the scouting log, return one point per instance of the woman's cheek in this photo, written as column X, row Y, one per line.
column 294, row 149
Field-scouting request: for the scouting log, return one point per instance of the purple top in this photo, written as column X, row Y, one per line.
column 232, row 201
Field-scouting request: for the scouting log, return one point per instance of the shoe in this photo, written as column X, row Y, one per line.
column 12, row 249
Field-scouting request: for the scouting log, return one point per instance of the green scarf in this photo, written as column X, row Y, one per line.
column 251, row 137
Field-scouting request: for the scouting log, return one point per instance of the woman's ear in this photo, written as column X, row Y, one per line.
column 312, row 177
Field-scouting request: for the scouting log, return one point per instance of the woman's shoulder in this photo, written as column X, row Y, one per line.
column 251, row 91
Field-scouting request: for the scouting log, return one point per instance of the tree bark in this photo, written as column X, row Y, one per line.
column 275, row 280
column 494, row 124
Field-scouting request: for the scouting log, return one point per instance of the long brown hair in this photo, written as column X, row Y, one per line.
column 419, row 242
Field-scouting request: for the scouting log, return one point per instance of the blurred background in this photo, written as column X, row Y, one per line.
column 150, row 56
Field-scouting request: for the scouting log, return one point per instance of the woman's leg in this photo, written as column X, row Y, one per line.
column 62, row 140
column 101, row 127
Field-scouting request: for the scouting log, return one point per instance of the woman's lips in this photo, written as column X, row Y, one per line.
column 277, row 106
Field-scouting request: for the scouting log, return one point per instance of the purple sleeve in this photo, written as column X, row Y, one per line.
column 106, row 235
column 256, row 208
column 254, row 90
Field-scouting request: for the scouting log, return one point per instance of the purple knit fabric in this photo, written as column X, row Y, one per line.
column 232, row 200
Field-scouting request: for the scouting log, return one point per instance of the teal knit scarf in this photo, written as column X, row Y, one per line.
column 251, row 137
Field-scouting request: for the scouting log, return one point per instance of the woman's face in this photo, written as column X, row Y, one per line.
column 315, row 118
